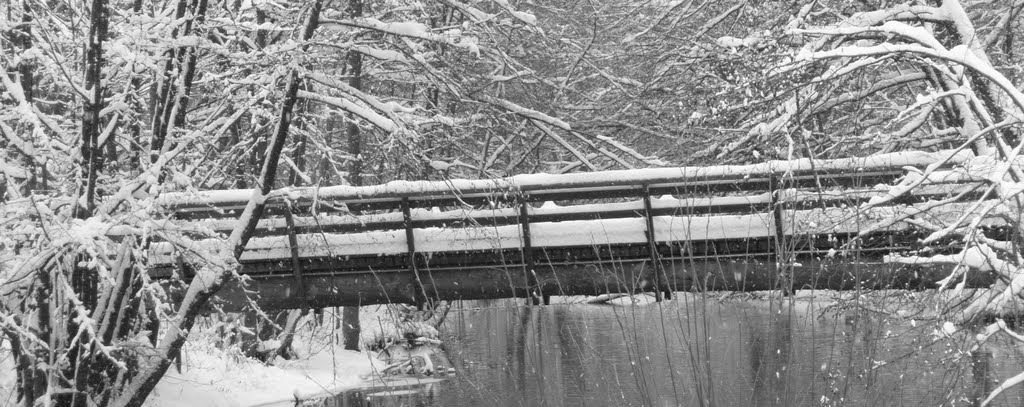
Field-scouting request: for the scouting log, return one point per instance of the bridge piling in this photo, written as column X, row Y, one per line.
column 531, row 276
column 293, row 241
column 652, row 246
column 419, row 293
column 776, row 203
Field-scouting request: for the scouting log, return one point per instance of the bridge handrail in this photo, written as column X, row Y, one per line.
column 665, row 205
column 846, row 168
column 598, row 232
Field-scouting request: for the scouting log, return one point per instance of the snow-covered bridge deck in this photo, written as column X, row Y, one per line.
column 666, row 229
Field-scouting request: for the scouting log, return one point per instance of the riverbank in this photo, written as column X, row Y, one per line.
column 216, row 377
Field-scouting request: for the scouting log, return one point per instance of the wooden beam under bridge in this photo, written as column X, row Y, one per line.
column 741, row 273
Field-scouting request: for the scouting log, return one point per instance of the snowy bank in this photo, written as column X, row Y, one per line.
column 214, row 377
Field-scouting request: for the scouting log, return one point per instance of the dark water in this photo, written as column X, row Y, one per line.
column 700, row 352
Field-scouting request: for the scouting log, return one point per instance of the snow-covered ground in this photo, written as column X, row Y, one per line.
column 210, row 377
column 214, row 377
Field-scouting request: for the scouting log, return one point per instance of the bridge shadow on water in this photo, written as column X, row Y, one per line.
column 693, row 351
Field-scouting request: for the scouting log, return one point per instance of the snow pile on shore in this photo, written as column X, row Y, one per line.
column 216, row 377
column 212, row 378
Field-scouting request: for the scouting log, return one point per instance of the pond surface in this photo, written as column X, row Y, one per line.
column 693, row 351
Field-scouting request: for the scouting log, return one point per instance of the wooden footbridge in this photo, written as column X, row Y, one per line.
column 780, row 224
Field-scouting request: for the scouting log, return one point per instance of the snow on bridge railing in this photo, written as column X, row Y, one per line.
column 596, row 232
column 549, row 212
column 540, row 184
column 609, row 223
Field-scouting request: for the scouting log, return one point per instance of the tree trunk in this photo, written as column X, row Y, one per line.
column 134, row 152
column 350, row 315
column 355, row 142
column 26, row 74
column 285, row 349
column 350, row 328
column 91, row 157
column 299, row 154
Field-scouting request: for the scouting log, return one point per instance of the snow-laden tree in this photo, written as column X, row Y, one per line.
column 636, row 74
column 916, row 75
column 720, row 77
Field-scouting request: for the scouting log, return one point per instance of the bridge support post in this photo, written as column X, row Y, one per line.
column 293, row 241
column 660, row 290
column 534, row 292
column 419, row 293
column 781, row 259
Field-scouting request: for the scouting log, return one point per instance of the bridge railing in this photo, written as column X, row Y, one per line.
column 611, row 208
column 555, row 187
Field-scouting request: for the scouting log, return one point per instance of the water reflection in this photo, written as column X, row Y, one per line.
column 697, row 352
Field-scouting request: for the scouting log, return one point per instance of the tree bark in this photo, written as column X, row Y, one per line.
column 355, row 142
column 135, row 128
column 91, row 157
column 286, row 337
column 350, row 328
column 26, row 74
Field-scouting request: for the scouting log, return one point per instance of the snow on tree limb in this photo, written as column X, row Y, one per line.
column 408, row 29
column 371, row 116
column 960, row 55
column 389, row 109
column 1004, row 24
column 525, row 112
column 565, row 144
column 525, row 18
